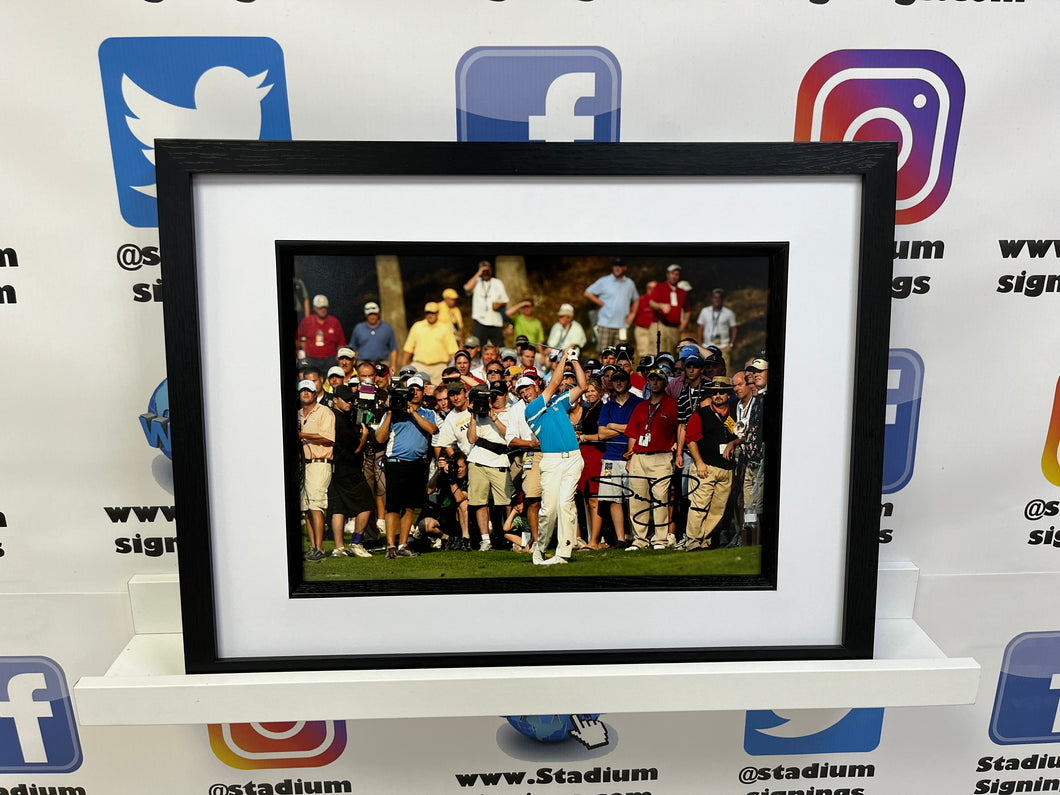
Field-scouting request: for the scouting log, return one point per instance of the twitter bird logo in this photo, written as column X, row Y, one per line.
column 227, row 105
column 185, row 87
column 811, row 731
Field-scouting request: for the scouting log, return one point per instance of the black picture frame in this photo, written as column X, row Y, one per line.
column 182, row 166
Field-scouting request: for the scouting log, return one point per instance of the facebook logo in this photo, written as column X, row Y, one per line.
column 185, row 87
column 905, row 381
column 537, row 94
column 812, row 731
column 37, row 728
column 1027, row 703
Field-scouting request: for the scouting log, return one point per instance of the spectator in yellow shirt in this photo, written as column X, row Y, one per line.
column 449, row 313
column 430, row 344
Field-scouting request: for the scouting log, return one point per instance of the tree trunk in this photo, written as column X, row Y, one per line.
column 512, row 272
column 392, row 293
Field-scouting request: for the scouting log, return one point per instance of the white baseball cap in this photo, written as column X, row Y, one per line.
column 336, row 370
column 371, row 308
column 565, row 309
column 307, row 384
column 524, row 382
column 320, row 300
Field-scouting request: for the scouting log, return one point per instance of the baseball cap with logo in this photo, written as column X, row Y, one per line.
column 348, row 353
column 524, row 381
column 531, row 372
column 320, row 300
column 758, row 365
column 371, row 308
column 307, row 384
column 415, row 381
column 336, row 370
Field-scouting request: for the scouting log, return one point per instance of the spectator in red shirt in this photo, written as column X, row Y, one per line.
column 671, row 310
column 319, row 337
column 641, row 319
column 652, row 432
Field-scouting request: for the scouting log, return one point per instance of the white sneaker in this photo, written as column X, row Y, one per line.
column 671, row 540
column 538, row 558
column 554, row 560
column 339, row 552
column 634, row 548
column 358, row 551
column 484, row 545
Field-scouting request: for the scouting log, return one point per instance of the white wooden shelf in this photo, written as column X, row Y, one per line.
column 147, row 685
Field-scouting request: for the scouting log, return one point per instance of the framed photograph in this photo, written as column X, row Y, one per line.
column 378, row 460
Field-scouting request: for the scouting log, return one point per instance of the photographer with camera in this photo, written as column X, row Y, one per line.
column 444, row 515
column 349, row 497
column 488, row 460
column 406, row 428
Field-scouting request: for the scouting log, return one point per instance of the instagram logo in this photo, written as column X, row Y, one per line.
column 915, row 97
column 1050, row 457
column 252, row 746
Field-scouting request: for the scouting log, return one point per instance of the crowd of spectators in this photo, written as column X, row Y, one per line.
column 477, row 447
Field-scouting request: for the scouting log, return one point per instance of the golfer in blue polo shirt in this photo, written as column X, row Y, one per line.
column 561, row 461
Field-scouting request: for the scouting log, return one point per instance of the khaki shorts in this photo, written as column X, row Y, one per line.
column 614, row 481
column 315, row 487
column 483, row 480
column 530, row 479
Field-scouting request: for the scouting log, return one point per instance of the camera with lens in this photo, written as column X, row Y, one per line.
column 480, row 402
column 400, row 397
column 367, row 409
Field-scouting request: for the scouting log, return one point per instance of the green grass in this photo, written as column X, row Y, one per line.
column 599, row 563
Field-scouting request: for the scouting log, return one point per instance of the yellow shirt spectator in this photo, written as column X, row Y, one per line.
column 449, row 313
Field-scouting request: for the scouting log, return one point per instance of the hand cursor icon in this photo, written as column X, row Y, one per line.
column 590, row 733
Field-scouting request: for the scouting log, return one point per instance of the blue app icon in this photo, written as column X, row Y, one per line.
column 905, row 382
column 812, row 731
column 537, row 94
column 185, row 87
column 38, row 732
column 1027, row 703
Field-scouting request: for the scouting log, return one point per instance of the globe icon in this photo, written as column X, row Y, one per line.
column 546, row 728
column 155, row 423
